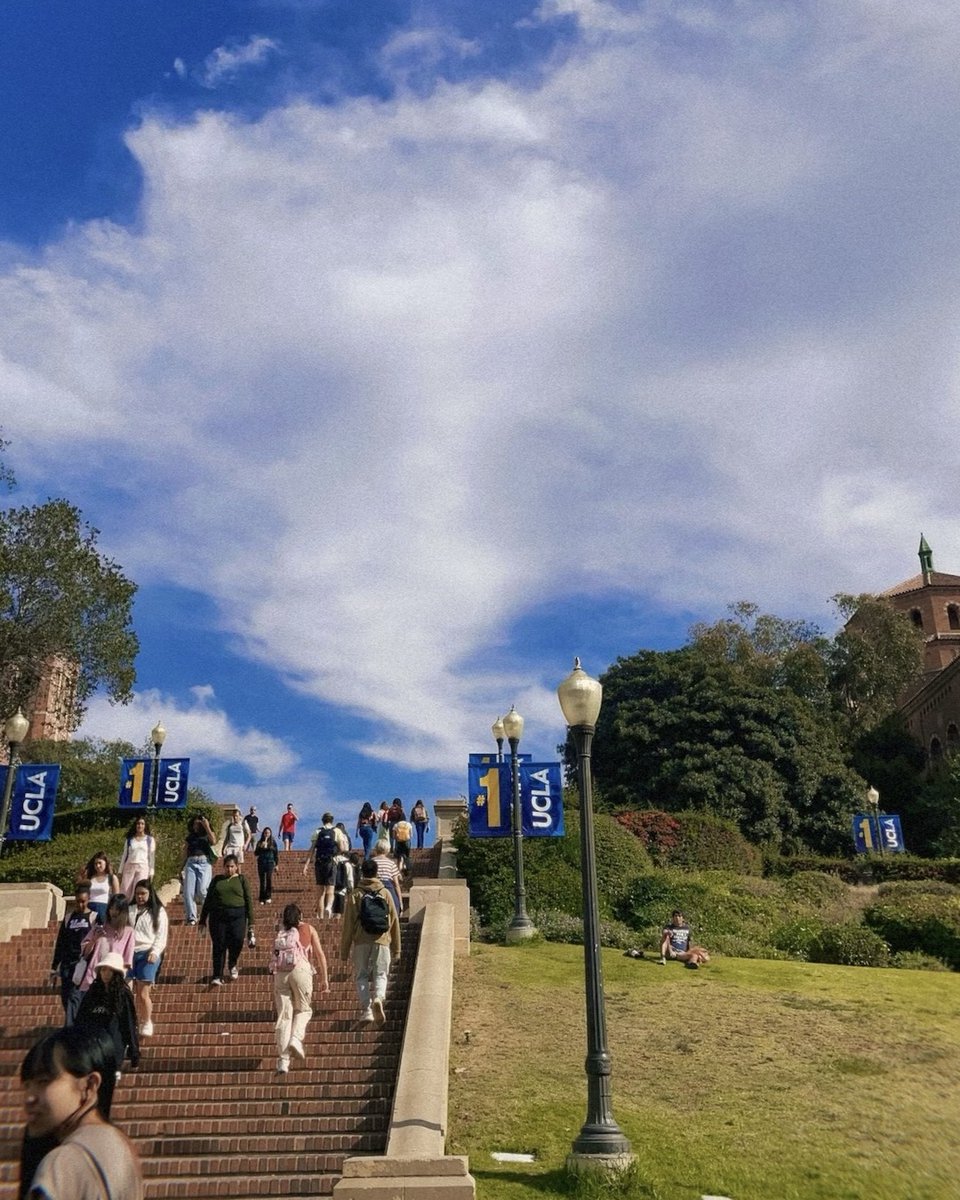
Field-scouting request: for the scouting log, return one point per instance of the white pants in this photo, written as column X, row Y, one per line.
column 371, row 963
column 292, row 992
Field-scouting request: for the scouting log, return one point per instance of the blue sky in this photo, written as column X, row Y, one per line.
column 402, row 351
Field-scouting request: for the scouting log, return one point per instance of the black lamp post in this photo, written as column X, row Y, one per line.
column 521, row 927
column 600, row 1144
column 157, row 736
column 14, row 731
column 498, row 735
column 873, row 799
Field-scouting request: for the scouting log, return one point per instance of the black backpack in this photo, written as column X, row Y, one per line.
column 326, row 846
column 374, row 913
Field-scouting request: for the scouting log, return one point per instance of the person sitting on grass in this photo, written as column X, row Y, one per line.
column 676, row 943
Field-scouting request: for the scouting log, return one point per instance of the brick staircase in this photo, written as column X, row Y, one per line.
column 205, row 1108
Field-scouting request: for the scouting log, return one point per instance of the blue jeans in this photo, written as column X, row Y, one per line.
column 197, row 874
column 368, row 835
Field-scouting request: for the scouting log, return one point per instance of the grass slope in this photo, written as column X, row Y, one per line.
column 751, row 1079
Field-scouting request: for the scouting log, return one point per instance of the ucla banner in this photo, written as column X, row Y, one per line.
column 172, row 789
column 541, row 799
column 881, row 833
column 136, row 779
column 33, row 799
column 490, row 791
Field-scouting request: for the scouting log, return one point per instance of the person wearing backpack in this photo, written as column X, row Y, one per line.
column 297, row 957
column 327, row 844
column 370, row 939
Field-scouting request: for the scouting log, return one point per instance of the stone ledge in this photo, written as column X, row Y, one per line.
column 407, row 1187
column 376, row 1167
column 43, row 903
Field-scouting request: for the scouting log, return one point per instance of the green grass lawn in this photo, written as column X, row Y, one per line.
column 752, row 1079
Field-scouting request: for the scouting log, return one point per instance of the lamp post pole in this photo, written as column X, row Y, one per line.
column 157, row 736
column 873, row 799
column 521, row 927
column 15, row 731
column 600, row 1143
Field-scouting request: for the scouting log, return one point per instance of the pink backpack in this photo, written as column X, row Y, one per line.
column 287, row 951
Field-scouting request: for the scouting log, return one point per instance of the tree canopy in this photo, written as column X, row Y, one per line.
column 60, row 596
column 761, row 720
column 685, row 729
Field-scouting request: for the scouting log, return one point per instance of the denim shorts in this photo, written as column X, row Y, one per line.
column 145, row 971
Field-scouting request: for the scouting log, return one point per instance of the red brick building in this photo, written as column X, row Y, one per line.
column 932, row 601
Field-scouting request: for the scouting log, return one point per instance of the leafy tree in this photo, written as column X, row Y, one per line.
column 768, row 650
column 687, row 730
column 874, row 658
column 59, row 595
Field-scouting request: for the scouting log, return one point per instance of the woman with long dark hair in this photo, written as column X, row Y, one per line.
column 297, row 957
column 139, row 856
column 103, row 881
column 113, row 936
column 267, row 855
column 70, row 1149
column 150, row 929
column 229, row 908
column 198, row 857
column 107, row 1003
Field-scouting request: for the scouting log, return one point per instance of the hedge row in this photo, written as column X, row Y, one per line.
column 867, row 869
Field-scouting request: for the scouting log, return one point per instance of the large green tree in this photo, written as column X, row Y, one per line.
column 60, row 595
column 685, row 729
column 873, row 660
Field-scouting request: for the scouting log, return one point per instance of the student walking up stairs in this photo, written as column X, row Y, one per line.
column 208, row 1112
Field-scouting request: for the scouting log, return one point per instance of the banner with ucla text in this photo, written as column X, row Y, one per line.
column 878, row 832
column 136, row 779
column 490, row 790
column 32, row 801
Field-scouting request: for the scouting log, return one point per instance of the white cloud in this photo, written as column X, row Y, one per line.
column 680, row 325
column 227, row 61
column 200, row 729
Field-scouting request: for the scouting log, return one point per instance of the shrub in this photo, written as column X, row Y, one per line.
column 557, row 926
column 815, row 888
column 711, row 901
column 928, row 923
column 916, row 887
column 695, row 840
column 795, row 938
column 551, row 868
column 849, row 945
column 873, row 868
column 915, row 960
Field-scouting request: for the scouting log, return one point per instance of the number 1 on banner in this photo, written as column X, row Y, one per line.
column 866, row 830
column 491, row 785
column 134, row 783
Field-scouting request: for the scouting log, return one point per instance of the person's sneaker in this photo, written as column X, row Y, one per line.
column 234, row 972
column 117, row 1076
column 296, row 1047
column 367, row 1014
column 692, row 966
column 216, row 982
column 192, row 921
column 270, row 901
column 661, row 962
column 283, row 1065
column 378, row 1014
column 146, row 1029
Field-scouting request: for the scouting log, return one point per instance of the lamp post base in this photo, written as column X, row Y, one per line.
column 579, row 1163
column 518, row 932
